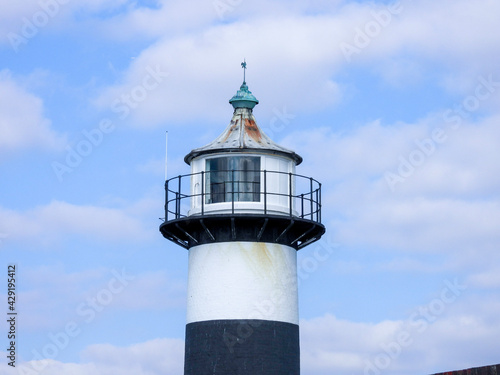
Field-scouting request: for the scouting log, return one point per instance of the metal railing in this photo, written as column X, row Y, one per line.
column 197, row 194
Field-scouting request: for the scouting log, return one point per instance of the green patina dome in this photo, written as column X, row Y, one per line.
column 244, row 98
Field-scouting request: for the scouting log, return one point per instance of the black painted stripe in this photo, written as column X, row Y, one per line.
column 241, row 347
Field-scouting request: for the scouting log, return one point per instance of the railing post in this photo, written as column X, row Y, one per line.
column 290, row 192
column 319, row 203
column 202, row 192
column 317, row 207
column 178, row 211
column 311, row 192
column 265, row 192
column 232, row 191
column 177, row 205
column 302, row 206
column 166, row 200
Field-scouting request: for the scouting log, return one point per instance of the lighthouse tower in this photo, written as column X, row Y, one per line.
column 242, row 213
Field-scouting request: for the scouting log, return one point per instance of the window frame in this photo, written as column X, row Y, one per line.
column 248, row 179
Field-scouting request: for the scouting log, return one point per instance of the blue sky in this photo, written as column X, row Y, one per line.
column 393, row 105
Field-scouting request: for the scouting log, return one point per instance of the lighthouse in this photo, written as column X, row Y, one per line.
column 242, row 214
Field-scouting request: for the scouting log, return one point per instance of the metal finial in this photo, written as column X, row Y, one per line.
column 244, row 66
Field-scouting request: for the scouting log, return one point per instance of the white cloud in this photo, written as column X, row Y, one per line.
column 16, row 9
column 306, row 34
column 45, row 286
column 100, row 5
column 489, row 278
column 152, row 357
column 26, row 8
column 296, row 55
column 453, row 336
column 155, row 357
column 116, row 19
column 22, row 121
column 423, row 225
column 46, row 225
column 305, row 38
column 165, row 18
column 52, row 296
column 408, row 265
column 449, row 206
column 460, row 164
column 12, row 14
column 436, row 336
column 21, row 22
column 173, row 18
column 458, row 34
column 153, row 290
column 198, row 66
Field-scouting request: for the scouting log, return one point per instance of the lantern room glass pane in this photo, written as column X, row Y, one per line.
column 233, row 176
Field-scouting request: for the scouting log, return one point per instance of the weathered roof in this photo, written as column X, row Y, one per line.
column 243, row 134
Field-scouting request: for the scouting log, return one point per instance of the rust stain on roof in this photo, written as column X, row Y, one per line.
column 233, row 127
column 253, row 130
column 243, row 133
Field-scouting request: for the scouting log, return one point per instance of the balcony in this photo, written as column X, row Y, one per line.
column 242, row 205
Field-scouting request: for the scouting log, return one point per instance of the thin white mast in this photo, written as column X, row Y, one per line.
column 166, row 154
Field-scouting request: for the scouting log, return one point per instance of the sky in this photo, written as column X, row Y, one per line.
column 394, row 106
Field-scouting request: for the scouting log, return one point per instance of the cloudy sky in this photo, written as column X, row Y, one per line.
column 395, row 107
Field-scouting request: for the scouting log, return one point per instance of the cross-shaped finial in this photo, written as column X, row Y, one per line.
column 244, row 66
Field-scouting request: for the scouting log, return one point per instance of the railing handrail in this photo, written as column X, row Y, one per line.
column 241, row 170
column 311, row 198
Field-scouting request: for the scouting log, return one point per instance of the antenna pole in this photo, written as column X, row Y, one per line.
column 166, row 154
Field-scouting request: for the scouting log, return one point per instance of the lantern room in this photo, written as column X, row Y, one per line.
column 238, row 184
